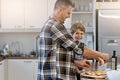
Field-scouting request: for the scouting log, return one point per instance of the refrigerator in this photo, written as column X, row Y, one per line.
column 108, row 31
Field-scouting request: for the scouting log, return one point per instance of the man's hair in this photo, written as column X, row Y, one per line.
column 63, row 4
column 77, row 26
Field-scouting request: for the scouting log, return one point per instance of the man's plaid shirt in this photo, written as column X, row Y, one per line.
column 56, row 52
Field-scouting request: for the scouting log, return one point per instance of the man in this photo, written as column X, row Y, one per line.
column 56, row 61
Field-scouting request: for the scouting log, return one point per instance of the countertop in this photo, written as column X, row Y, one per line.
column 114, row 74
column 1, row 58
column 4, row 58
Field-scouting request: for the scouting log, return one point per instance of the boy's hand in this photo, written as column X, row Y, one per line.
column 77, row 70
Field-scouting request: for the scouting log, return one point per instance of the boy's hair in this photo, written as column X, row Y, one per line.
column 77, row 26
column 63, row 4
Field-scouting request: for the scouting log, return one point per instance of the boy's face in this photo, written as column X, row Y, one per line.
column 78, row 35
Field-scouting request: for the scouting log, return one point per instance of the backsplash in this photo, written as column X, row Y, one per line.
column 26, row 42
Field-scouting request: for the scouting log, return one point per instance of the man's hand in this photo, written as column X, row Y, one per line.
column 83, row 63
column 92, row 54
column 105, row 57
column 101, row 61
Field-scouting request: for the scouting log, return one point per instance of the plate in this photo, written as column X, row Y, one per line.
column 93, row 76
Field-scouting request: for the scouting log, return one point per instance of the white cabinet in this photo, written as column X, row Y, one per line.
column 51, row 4
column 84, row 13
column 20, row 69
column 2, row 70
column 5, row 69
column 35, row 13
column 23, row 13
column 12, row 13
column 35, row 64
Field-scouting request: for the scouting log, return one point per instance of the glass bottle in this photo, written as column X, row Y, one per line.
column 114, row 61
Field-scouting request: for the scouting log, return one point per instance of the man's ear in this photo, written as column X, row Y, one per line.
column 59, row 11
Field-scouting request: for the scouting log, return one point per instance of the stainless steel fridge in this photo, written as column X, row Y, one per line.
column 108, row 31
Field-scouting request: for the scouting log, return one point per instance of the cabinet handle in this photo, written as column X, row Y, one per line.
column 27, row 61
column 32, row 26
column 19, row 26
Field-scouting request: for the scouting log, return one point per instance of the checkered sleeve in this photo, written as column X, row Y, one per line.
column 64, row 38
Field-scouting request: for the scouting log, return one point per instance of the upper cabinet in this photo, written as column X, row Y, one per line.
column 12, row 13
column 35, row 13
column 23, row 13
column 51, row 4
column 32, row 14
column 17, row 15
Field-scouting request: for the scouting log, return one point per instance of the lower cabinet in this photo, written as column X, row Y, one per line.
column 2, row 70
column 22, row 69
column 35, row 69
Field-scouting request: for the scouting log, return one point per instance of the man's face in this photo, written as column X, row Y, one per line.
column 78, row 35
column 65, row 13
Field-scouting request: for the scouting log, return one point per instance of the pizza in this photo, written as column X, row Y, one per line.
column 96, row 73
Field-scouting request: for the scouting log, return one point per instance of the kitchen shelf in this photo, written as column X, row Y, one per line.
column 82, row 12
column 107, row 0
column 89, row 29
column 107, row 5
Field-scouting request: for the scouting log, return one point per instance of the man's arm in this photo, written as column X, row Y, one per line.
column 64, row 38
column 92, row 54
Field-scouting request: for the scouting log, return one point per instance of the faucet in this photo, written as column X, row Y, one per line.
column 37, row 45
column 5, row 49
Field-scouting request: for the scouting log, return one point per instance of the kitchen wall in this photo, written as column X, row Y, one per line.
column 27, row 40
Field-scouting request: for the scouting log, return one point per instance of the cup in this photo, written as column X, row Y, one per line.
column 102, row 67
column 81, row 8
column 86, row 8
column 90, row 7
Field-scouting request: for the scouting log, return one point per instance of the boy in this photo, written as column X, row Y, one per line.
column 78, row 31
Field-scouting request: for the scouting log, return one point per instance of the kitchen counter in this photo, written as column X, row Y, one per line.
column 113, row 74
column 21, row 58
column 3, row 58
